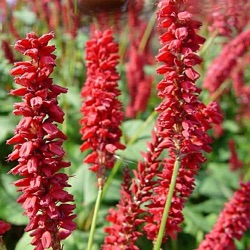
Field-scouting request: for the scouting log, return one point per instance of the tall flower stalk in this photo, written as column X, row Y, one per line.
column 183, row 120
column 163, row 186
column 125, row 220
column 38, row 145
column 101, row 110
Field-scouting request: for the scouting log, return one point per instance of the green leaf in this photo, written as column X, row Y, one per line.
column 24, row 243
column 132, row 128
column 194, row 221
column 209, row 206
column 10, row 210
column 219, row 181
column 7, row 127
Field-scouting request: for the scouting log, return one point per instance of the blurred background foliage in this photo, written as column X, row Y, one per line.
column 215, row 183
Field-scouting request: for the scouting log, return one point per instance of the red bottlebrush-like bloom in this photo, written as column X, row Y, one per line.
column 228, row 17
column 38, row 145
column 122, row 234
column 233, row 221
column 101, row 109
column 8, row 51
column 126, row 218
column 183, row 119
column 4, row 227
column 221, row 67
column 138, row 84
column 182, row 130
column 234, row 161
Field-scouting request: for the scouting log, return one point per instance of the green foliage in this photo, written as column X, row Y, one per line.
column 215, row 183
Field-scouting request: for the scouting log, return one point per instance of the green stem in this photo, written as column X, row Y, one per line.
column 147, row 33
column 94, row 220
column 208, row 43
column 110, row 178
column 160, row 235
column 142, row 127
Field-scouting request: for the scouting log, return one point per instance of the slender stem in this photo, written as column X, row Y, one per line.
column 219, row 91
column 208, row 43
column 160, row 235
column 142, row 127
column 147, row 33
column 94, row 220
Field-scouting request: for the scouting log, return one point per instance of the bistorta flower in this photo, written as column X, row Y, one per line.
column 233, row 221
column 101, row 109
column 126, row 218
column 181, row 129
column 183, row 119
column 225, row 62
column 38, row 145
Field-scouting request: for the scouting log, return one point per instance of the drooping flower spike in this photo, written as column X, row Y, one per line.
column 101, row 109
column 38, row 145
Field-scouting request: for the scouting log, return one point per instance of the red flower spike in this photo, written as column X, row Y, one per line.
column 234, row 162
column 38, row 146
column 227, row 17
column 138, row 83
column 120, row 236
column 101, row 109
column 233, row 221
column 225, row 62
column 123, row 232
column 183, row 120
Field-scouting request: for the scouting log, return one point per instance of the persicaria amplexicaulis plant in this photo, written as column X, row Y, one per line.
column 181, row 130
column 38, row 146
column 102, row 114
column 144, row 128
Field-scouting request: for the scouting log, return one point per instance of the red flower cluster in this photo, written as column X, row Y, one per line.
column 182, row 130
column 183, row 118
column 241, row 87
column 123, row 233
column 233, row 221
column 8, row 53
column 221, row 67
column 228, row 17
column 101, row 109
column 234, row 161
column 38, row 146
column 138, row 84
column 57, row 14
column 126, row 218
column 4, row 227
